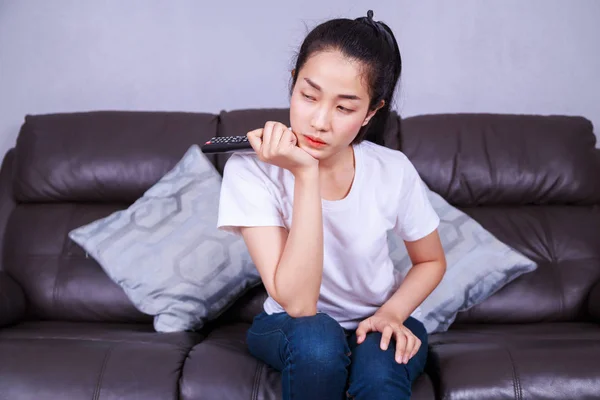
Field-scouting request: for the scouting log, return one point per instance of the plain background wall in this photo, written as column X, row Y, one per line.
column 510, row 56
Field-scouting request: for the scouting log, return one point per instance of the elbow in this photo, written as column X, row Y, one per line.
column 442, row 267
column 436, row 268
column 298, row 310
column 294, row 307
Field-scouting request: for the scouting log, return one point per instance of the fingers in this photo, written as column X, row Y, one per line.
column 267, row 134
column 403, row 346
column 293, row 137
column 255, row 139
column 416, row 348
column 267, row 141
column 401, row 342
column 386, row 336
column 362, row 330
column 276, row 136
column 407, row 345
column 288, row 139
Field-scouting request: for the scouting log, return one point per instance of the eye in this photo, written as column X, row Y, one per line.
column 344, row 109
column 308, row 97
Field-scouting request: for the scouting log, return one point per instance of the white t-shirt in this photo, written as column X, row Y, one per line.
column 358, row 275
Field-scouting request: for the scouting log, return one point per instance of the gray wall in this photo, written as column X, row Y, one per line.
column 511, row 56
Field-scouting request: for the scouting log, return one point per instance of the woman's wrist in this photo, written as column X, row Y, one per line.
column 306, row 173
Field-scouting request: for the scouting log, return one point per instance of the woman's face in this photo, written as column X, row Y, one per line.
column 329, row 104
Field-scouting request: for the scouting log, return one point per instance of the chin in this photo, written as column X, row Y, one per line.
column 316, row 153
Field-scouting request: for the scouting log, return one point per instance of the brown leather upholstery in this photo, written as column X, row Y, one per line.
column 82, row 360
column 538, row 361
column 530, row 180
column 594, row 302
column 7, row 201
column 483, row 159
column 521, row 178
column 102, row 156
column 12, row 300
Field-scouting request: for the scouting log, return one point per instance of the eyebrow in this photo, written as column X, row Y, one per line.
column 341, row 96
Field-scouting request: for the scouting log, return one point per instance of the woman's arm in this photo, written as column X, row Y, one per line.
column 291, row 264
column 429, row 266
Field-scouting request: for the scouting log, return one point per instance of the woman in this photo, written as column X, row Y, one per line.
column 313, row 203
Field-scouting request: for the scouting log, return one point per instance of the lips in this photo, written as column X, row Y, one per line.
column 314, row 140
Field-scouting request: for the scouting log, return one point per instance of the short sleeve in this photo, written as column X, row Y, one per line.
column 246, row 199
column 416, row 217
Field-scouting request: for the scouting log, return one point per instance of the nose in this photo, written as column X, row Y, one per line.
column 320, row 119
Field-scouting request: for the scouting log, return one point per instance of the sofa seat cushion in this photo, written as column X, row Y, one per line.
column 220, row 367
column 541, row 361
column 69, row 360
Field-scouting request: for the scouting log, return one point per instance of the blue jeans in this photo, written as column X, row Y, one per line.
column 318, row 359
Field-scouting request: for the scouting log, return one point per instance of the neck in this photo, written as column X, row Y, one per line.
column 338, row 160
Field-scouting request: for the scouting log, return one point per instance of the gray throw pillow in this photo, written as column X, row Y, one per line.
column 478, row 265
column 166, row 252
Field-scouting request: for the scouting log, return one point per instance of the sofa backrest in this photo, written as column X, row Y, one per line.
column 69, row 170
column 533, row 182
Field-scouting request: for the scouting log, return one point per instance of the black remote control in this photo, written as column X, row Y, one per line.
column 227, row 144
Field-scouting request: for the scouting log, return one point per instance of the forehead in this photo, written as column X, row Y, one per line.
column 335, row 73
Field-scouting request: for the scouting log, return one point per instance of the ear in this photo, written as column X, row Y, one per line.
column 372, row 112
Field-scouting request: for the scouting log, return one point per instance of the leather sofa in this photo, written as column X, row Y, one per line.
column 68, row 332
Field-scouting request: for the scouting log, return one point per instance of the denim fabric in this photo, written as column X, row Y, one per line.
column 318, row 359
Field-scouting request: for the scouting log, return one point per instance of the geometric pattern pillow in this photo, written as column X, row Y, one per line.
column 166, row 252
column 478, row 265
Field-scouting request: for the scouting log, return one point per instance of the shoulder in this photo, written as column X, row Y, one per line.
column 246, row 168
column 246, row 164
column 241, row 161
column 391, row 165
column 383, row 154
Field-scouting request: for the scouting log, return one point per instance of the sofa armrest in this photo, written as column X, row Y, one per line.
column 12, row 300
column 594, row 302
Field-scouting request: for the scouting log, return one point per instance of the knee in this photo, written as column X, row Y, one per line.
column 376, row 373
column 417, row 328
column 380, row 384
column 317, row 339
column 380, row 377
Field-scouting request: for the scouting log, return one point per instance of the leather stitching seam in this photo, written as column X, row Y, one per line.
column 101, row 374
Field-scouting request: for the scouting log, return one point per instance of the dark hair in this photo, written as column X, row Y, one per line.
column 371, row 43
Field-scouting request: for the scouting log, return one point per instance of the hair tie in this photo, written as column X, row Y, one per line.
column 369, row 20
column 379, row 28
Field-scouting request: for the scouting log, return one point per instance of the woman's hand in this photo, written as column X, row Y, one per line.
column 407, row 344
column 276, row 144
